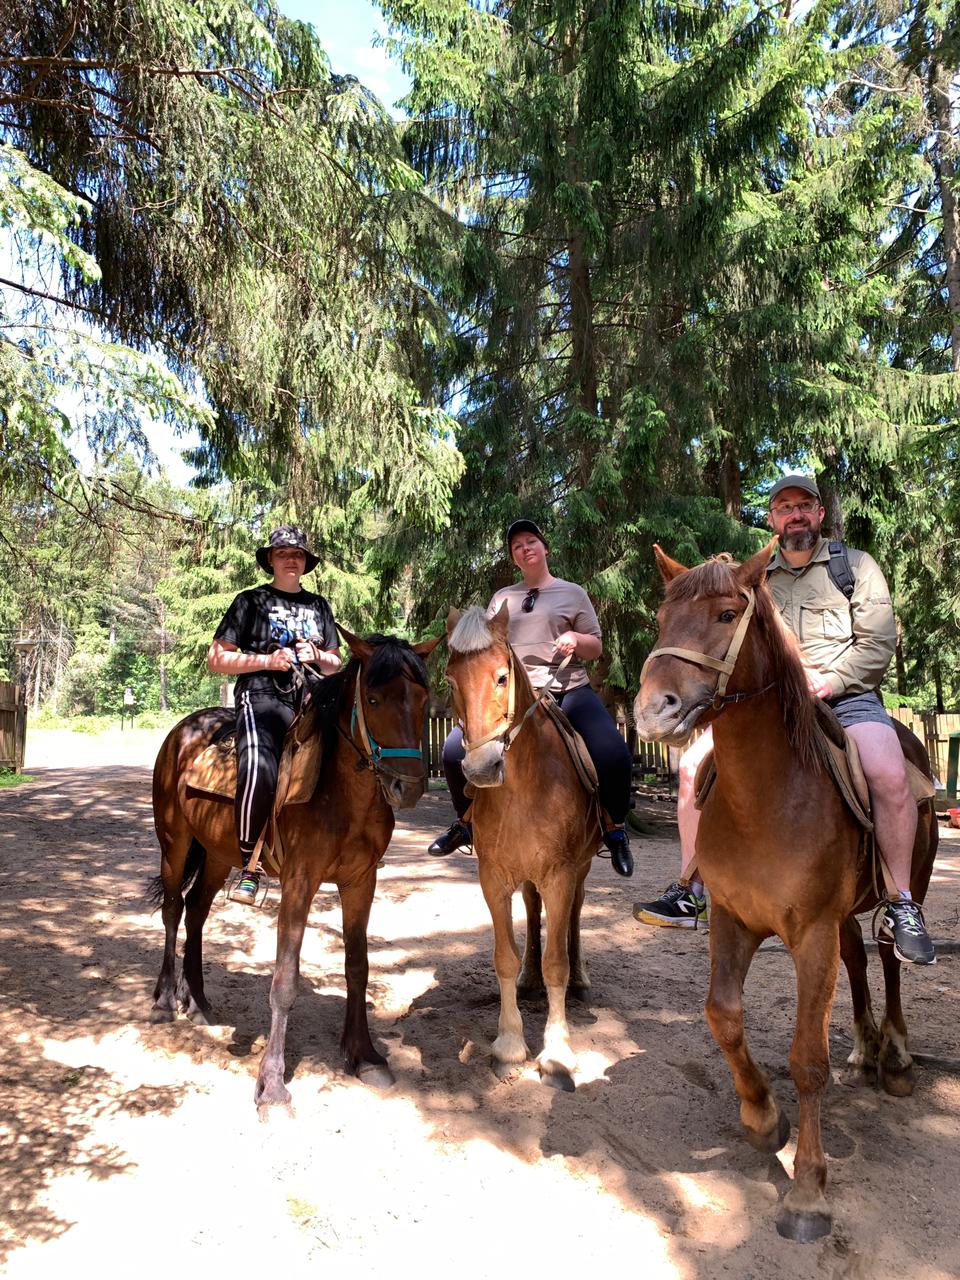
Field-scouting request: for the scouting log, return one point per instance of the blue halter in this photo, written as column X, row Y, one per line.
column 378, row 753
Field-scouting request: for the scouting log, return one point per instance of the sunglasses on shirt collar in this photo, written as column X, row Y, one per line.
column 529, row 600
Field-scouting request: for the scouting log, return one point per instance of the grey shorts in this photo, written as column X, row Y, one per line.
column 859, row 708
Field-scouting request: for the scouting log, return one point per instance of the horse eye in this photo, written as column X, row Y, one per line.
column 502, row 679
column 728, row 615
column 372, row 700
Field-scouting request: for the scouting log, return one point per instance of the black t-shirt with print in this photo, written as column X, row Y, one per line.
column 265, row 618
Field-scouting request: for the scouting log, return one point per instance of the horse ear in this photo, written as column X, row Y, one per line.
column 669, row 569
column 426, row 647
column 453, row 617
column 753, row 571
column 356, row 646
column 500, row 622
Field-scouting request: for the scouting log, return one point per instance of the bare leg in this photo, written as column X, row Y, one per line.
column 530, row 981
column 894, row 808
column 299, row 885
column 688, row 815
column 862, row 1061
column 509, row 1048
column 896, row 1064
column 556, row 1061
column 732, row 948
column 361, row 1057
column 804, row 1214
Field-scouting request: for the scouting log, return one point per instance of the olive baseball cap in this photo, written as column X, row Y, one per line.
column 806, row 483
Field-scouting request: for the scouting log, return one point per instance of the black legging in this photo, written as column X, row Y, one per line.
column 262, row 724
column 608, row 751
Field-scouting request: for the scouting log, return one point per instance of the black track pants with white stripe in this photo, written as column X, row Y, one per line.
column 262, row 724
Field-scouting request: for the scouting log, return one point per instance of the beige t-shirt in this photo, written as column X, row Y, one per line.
column 560, row 606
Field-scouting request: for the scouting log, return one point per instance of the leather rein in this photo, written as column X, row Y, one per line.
column 508, row 734
column 724, row 665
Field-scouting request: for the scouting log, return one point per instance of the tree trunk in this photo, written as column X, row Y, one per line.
column 943, row 108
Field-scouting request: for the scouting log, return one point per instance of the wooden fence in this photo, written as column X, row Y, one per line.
column 934, row 732
column 13, row 726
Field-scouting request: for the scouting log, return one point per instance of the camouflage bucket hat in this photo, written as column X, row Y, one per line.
column 287, row 535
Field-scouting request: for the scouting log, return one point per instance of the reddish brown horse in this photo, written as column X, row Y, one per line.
column 778, row 850
column 339, row 836
column 533, row 827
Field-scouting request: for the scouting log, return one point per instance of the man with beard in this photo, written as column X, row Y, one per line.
column 846, row 646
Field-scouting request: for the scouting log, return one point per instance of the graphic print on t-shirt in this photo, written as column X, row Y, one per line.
column 264, row 618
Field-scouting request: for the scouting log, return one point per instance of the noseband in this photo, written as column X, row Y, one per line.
column 724, row 665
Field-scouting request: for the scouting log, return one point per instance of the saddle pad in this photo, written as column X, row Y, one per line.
column 575, row 745
column 214, row 771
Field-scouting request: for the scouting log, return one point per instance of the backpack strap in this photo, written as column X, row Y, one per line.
column 840, row 569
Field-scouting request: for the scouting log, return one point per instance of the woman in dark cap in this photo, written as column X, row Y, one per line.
column 552, row 619
column 266, row 632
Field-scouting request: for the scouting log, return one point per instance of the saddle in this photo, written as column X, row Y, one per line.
column 575, row 745
column 840, row 755
column 213, row 773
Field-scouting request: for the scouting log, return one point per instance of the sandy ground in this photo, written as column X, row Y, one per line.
column 135, row 1147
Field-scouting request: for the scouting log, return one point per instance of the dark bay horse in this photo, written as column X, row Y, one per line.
column 533, row 827
column 778, row 850
column 337, row 837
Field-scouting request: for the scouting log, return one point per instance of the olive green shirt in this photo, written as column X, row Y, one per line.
column 850, row 641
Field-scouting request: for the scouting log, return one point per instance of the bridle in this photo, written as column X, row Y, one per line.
column 724, row 665
column 373, row 754
column 508, row 734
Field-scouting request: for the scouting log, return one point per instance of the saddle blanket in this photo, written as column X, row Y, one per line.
column 214, row 771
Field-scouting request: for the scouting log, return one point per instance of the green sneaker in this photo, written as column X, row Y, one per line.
column 677, row 908
column 247, row 888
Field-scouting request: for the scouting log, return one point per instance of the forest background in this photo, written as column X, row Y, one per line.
column 614, row 264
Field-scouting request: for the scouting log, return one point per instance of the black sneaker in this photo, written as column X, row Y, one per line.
column 902, row 924
column 459, row 836
column 677, row 908
column 618, row 842
column 247, row 888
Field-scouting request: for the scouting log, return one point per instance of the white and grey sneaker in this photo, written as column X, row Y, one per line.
column 902, row 924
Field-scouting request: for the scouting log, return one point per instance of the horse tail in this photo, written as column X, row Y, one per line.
column 196, row 857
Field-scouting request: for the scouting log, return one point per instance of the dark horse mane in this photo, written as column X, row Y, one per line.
column 391, row 657
column 777, row 649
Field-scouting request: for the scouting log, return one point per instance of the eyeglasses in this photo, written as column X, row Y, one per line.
column 530, row 599
column 784, row 508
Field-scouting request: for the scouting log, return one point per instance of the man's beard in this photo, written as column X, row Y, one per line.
column 800, row 539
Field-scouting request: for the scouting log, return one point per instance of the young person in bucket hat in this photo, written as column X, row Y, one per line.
column 552, row 620
column 846, row 642
column 266, row 633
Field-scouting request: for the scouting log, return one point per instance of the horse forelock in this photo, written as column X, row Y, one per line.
column 781, row 652
column 393, row 657
column 472, row 633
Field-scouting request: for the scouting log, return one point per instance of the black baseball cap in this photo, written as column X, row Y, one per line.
column 806, row 483
column 525, row 526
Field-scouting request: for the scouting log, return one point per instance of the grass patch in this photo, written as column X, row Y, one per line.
column 10, row 779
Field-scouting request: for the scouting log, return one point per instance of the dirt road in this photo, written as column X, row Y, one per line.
column 136, row 1148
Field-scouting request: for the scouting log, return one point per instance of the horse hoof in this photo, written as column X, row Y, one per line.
column 858, row 1076
column 898, row 1083
column 270, row 1112
column 158, row 1015
column 376, row 1074
column 201, row 1017
column 579, row 991
column 505, row 1070
column 803, row 1225
column 556, row 1076
column 773, row 1141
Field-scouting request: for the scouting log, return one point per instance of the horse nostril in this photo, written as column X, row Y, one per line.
column 669, row 702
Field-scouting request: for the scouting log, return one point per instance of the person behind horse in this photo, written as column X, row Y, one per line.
column 266, row 633
column 846, row 647
column 552, row 620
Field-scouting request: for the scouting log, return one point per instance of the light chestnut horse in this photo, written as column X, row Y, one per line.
column 777, row 848
column 534, row 827
column 372, row 718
